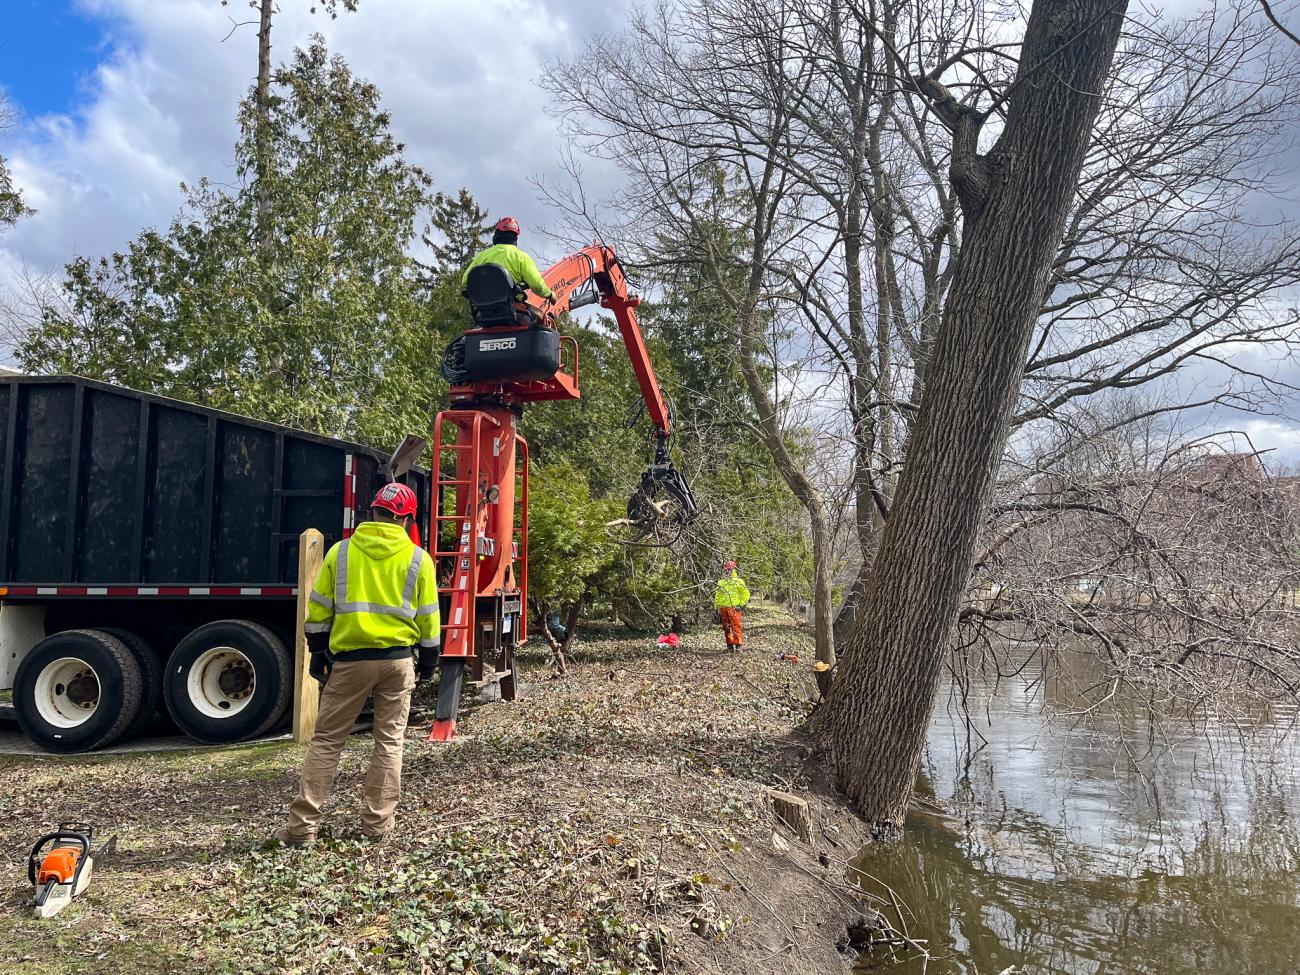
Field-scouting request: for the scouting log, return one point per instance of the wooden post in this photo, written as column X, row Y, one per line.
column 306, row 692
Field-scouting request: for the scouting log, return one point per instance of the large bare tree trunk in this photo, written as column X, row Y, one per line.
column 874, row 438
column 1015, row 200
column 262, row 99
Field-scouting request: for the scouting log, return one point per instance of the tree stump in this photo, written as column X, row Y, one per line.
column 794, row 813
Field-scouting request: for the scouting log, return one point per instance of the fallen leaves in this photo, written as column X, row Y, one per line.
column 579, row 831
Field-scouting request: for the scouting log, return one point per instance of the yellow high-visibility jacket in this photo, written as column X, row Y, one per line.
column 375, row 591
column 519, row 264
column 731, row 591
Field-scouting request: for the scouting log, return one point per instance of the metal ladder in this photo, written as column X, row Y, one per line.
column 456, row 629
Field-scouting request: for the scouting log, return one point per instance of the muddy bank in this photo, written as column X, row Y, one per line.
column 617, row 821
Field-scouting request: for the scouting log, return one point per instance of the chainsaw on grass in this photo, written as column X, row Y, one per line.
column 60, row 866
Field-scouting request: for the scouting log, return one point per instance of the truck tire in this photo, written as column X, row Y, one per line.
column 77, row 690
column 150, row 678
column 228, row 681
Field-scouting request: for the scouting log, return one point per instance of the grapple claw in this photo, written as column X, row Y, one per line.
column 659, row 509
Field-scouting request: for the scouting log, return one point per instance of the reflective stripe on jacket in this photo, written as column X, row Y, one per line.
column 517, row 262
column 375, row 590
column 731, row 591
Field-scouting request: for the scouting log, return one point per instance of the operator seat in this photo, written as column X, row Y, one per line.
column 493, row 295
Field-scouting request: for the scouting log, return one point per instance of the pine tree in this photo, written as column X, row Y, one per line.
column 325, row 327
column 11, row 201
column 462, row 228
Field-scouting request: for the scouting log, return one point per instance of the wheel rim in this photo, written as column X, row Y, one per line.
column 221, row 682
column 67, row 692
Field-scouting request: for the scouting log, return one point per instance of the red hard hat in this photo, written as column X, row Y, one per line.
column 397, row 498
column 508, row 224
column 729, row 564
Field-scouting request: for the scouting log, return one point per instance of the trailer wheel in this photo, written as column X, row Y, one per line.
column 77, row 690
column 150, row 678
column 227, row 681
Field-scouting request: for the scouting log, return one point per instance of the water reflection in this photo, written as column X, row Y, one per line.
column 1098, row 844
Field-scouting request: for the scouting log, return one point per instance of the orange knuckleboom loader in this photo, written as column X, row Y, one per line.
column 514, row 356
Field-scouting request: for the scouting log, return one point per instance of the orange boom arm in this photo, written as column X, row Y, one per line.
column 598, row 267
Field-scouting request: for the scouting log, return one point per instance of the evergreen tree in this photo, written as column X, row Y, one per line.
column 462, row 228
column 568, row 549
column 11, row 201
column 326, row 328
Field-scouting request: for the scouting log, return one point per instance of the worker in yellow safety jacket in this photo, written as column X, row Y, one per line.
column 504, row 252
column 730, row 597
column 373, row 608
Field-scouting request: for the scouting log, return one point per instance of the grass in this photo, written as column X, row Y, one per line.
column 58, row 953
column 615, row 821
column 507, row 901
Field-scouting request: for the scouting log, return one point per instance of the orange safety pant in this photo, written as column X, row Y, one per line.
column 731, row 625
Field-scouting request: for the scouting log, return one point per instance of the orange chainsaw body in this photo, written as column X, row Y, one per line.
column 59, row 865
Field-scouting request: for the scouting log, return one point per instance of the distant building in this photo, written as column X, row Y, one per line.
column 8, row 371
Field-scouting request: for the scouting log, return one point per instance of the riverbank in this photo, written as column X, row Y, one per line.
column 618, row 820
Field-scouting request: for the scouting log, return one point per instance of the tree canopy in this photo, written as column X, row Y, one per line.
column 327, row 329
column 11, row 201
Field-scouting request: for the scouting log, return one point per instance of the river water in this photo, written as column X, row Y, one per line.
column 1097, row 844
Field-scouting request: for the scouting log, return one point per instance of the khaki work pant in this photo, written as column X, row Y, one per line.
column 731, row 625
column 390, row 683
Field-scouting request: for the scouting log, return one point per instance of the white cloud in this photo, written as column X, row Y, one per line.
column 457, row 77
column 1277, row 440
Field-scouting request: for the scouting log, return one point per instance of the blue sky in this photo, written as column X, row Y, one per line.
column 48, row 50
column 120, row 101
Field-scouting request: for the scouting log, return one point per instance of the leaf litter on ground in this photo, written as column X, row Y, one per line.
column 602, row 824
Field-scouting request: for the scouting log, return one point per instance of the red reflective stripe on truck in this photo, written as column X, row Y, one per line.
column 349, row 494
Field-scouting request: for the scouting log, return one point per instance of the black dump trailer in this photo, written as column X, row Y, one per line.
column 148, row 558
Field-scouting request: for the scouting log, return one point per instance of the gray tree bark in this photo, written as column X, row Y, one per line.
column 262, row 97
column 1015, row 200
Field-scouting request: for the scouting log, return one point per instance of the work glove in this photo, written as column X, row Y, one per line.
column 426, row 662
column 320, row 664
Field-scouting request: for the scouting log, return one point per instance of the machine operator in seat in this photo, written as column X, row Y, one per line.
column 504, row 251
